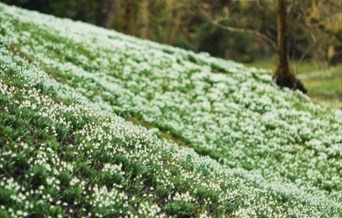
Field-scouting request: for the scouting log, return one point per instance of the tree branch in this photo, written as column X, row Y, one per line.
column 217, row 23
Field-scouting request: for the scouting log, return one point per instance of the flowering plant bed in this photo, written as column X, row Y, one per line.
column 97, row 123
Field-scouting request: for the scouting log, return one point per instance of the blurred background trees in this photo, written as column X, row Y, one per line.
column 314, row 30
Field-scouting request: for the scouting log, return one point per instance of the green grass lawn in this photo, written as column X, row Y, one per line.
column 324, row 84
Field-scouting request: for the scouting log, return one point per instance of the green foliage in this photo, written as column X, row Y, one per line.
column 180, row 209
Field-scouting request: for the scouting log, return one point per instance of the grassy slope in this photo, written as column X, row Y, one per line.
column 277, row 152
column 324, row 85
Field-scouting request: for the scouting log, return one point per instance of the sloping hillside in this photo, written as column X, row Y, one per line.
column 97, row 123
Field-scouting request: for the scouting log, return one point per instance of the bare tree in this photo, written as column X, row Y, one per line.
column 282, row 75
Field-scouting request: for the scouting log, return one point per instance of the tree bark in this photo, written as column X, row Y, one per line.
column 144, row 19
column 283, row 75
column 283, row 67
column 129, row 17
column 106, row 10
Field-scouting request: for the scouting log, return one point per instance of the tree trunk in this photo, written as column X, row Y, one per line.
column 283, row 65
column 282, row 74
column 129, row 17
column 144, row 19
column 106, row 10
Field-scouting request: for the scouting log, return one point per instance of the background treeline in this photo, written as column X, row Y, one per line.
column 314, row 26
